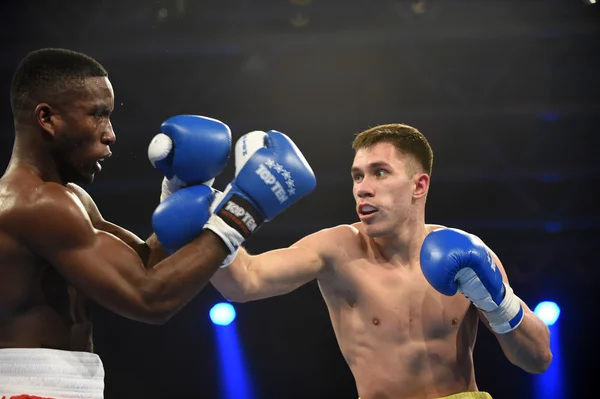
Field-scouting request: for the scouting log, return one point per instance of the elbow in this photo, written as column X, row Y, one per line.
column 543, row 362
column 148, row 316
column 154, row 307
column 237, row 296
column 239, row 293
column 158, row 318
column 154, row 314
column 540, row 363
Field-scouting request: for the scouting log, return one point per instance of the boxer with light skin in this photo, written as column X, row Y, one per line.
column 56, row 249
column 405, row 297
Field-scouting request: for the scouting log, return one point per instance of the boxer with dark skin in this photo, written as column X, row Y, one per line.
column 56, row 250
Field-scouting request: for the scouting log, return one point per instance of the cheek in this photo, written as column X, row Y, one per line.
column 85, row 137
column 401, row 193
column 75, row 146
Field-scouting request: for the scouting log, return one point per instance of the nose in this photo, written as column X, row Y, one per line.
column 109, row 137
column 364, row 189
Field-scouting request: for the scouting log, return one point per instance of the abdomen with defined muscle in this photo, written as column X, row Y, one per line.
column 400, row 337
column 415, row 366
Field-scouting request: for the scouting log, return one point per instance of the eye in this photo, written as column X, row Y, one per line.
column 357, row 178
column 381, row 173
column 104, row 113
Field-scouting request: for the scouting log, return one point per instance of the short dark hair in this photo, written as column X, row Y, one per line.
column 407, row 139
column 48, row 72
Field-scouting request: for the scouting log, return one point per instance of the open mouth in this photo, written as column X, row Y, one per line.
column 99, row 162
column 366, row 210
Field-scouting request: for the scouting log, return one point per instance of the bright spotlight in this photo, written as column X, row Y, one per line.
column 547, row 311
column 222, row 314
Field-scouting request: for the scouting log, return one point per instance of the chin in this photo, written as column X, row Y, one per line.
column 86, row 179
column 374, row 231
column 80, row 178
column 77, row 175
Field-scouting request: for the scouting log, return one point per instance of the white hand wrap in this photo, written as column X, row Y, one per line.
column 508, row 315
column 230, row 236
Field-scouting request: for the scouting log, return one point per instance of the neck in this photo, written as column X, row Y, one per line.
column 404, row 246
column 31, row 152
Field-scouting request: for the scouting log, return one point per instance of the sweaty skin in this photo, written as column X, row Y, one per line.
column 56, row 250
column 401, row 338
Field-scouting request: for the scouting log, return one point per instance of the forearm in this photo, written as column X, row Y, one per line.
column 234, row 282
column 173, row 282
column 528, row 345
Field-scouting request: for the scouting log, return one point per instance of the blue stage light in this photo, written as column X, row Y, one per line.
column 548, row 311
column 222, row 314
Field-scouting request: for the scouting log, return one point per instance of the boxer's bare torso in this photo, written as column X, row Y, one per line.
column 37, row 307
column 400, row 337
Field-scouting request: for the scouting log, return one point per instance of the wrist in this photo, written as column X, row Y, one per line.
column 230, row 236
column 508, row 315
column 234, row 220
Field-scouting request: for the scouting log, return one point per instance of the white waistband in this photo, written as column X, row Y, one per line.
column 51, row 373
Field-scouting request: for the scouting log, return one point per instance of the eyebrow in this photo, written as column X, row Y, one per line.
column 371, row 166
column 102, row 108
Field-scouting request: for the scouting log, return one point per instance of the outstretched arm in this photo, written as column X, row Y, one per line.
column 528, row 345
column 275, row 272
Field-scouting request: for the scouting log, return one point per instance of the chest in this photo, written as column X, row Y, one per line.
column 397, row 302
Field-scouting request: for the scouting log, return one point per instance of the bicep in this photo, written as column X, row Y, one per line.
column 107, row 270
column 140, row 246
column 98, row 264
column 299, row 263
column 100, row 223
column 271, row 273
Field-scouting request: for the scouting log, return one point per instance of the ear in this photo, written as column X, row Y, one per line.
column 421, row 181
column 46, row 118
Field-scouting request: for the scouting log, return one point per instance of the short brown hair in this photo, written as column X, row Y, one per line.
column 406, row 139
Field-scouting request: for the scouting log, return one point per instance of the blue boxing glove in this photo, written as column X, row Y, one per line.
column 453, row 260
column 190, row 150
column 271, row 175
column 181, row 217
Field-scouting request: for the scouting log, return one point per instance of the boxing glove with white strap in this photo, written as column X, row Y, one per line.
column 271, row 174
column 453, row 260
column 191, row 150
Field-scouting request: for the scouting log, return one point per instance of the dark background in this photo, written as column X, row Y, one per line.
column 508, row 93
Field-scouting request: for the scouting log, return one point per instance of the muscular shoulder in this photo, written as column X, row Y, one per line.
column 83, row 195
column 51, row 214
column 331, row 241
column 432, row 227
column 331, row 235
column 54, row 197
